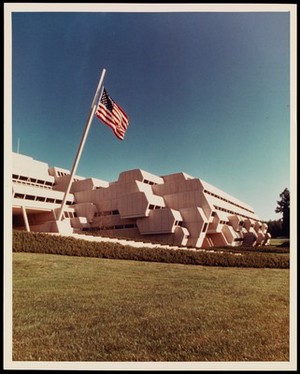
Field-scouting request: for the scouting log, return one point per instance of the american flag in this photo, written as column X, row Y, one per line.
column 112, row 115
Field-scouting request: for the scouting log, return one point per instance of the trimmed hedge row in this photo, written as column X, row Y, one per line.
column 261, row 249
column 54, row 244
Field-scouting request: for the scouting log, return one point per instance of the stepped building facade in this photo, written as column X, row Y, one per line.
column 175, row 209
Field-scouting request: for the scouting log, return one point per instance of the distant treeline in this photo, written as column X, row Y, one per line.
column 258, row 257
column 275, row 228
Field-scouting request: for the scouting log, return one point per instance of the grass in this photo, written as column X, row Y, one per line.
column 87, row 309
column 279, row 241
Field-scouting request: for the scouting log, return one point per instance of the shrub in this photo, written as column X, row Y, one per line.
column 55, row 244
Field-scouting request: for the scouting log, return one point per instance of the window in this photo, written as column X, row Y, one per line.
column 30, row 197
column 151, row 206
column 19, row 196
column 204, row 227
column 40, row 198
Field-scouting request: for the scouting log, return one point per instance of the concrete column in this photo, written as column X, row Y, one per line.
column 25, row 219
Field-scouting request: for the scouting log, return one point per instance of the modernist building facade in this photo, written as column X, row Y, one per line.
column 174, row 209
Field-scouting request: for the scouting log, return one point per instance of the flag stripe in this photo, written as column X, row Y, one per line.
column 118, row 132
column 108, row 120
column 113, row 127
column 112, row 115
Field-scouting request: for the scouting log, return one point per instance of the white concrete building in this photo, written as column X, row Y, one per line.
column 175, row 209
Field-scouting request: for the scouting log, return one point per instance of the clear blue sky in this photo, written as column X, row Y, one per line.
column 206, row 93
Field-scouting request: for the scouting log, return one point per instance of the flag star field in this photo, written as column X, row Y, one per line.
column 206, row 93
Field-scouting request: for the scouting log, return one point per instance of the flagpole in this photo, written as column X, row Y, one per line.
column 82, row 142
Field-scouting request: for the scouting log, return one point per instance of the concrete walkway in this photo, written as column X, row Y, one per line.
column 139, row 244
column 131, row 243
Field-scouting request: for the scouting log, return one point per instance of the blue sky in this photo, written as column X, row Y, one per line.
column 206, row 93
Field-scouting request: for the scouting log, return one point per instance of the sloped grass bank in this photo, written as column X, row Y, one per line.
column 54, row 244
column 86, row 309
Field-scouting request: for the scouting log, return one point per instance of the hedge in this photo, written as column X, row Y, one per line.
column 54, row 244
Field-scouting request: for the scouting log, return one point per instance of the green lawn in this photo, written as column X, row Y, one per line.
column 279, row 241
column 86, row 309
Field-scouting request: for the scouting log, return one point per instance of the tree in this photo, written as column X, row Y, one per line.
column 275, row 228
column 284, row 208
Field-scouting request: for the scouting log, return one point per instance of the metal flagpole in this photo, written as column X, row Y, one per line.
column 81, row 145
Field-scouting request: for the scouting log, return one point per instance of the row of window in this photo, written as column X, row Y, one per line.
column 224, row 222
column 227, row 201
column 61, row 173
column 148, row 182
column 242, row 223
column 70, row 214
column 32, row 181
column 230, row 211
column 39, row 198
column 114, row 227
column 152, row 207
column 107, row 213
column 116, row 212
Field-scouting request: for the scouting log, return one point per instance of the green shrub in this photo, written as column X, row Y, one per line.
column 55, row 244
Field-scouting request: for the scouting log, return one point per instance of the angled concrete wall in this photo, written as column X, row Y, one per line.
column 175, row 209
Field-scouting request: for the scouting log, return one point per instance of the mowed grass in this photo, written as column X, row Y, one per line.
column 279, row 241
column 86, row 309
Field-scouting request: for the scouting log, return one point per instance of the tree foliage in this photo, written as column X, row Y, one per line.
column 283, row 206
column 275, row 228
